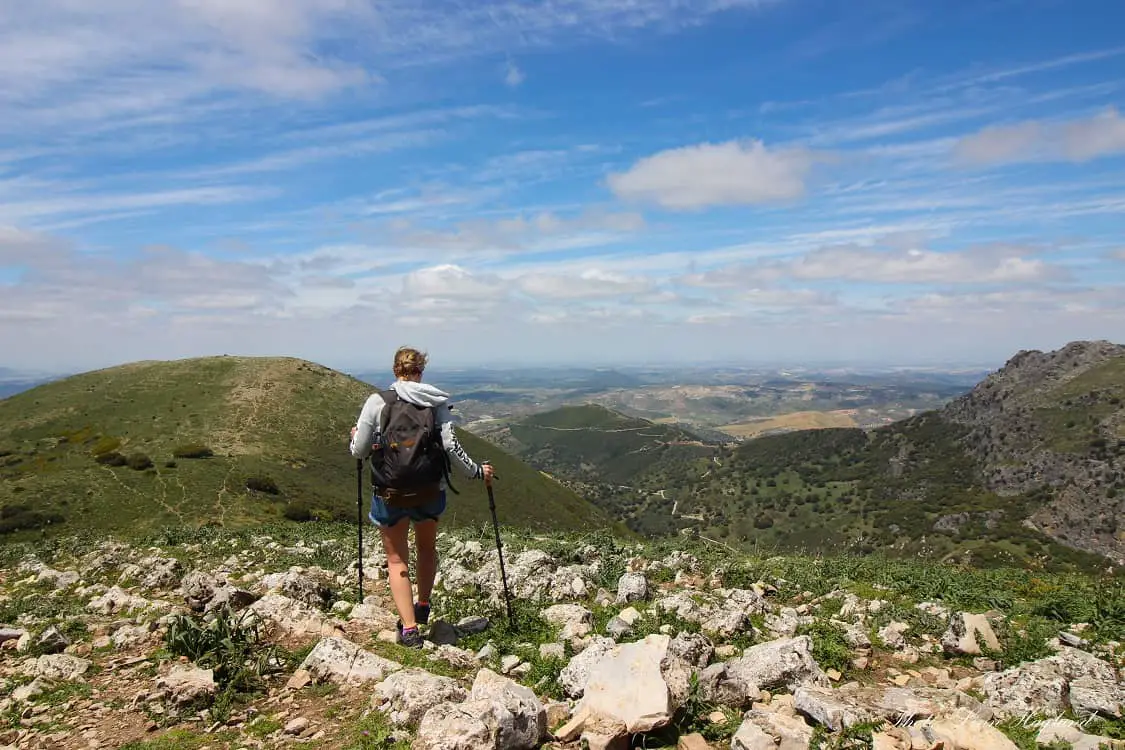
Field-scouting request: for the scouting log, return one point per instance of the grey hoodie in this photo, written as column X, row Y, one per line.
column 423, row 394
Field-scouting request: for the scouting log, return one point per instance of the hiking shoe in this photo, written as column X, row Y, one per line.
column 422, row 613
column 410, row 637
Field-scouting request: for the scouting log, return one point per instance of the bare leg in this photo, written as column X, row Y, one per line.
column 425, row 541
column 397, row 547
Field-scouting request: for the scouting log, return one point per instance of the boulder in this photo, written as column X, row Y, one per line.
column 60, row 667
column 573, row 677
column 186, row 684
column 1066, row 731
column 407, row 694
column 628, row 684
column 529, row 717
column 1070, row 678
column 785, row 663
column 631, row 587
column 338, row 660
column 966, row 633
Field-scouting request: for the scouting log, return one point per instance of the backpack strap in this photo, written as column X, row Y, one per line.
column 389, row 396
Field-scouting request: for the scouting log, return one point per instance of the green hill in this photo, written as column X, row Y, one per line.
column 1027, row 468
column 600, row 442
column 232, row 441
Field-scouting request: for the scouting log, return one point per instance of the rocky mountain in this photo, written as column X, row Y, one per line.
column 1026, row 467
column 228, row 441
column 222, row 639
column 1056, row 420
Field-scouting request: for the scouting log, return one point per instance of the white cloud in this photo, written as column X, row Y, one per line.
column 903, row 264
column 1101, row 135
column 542, row 231
column 589, row 284
column 514, row 77
column 89, row 203
column 116, row 60
column 999, row 144
column 1075, row 140
column 449, row 282
column 715, row 174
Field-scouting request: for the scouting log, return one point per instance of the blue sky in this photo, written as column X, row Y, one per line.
column 879, row 181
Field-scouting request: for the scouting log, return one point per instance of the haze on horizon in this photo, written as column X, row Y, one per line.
column 594, row 182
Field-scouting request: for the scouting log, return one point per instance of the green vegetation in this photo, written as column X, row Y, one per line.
column 231, row 646
column 219, row 441
column 1072, row 414
column 182, row 739
column 907, row 489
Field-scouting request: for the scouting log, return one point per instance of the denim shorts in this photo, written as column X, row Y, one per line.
column 383, row 515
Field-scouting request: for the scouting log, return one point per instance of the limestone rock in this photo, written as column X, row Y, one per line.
column 628, row 684
column 338, row 660
column 1071, row 676
column 631, row 587
column 116, row 600
column 784, row 663
column 61, row 667
column 529, row 717
column 290, row 615
column 575, row 674
column 964, row 732
column 300, row 586
column 188, row 684
column 455, row 726
column 966, row 632
column 1064, row 730
column 574, row 620
column 407, row 694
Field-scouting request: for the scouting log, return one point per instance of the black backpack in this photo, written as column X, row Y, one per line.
column 407, row 466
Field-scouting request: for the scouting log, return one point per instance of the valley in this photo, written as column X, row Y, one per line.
column 1026, row 468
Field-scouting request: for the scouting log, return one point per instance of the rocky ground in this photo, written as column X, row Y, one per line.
column 237, row 640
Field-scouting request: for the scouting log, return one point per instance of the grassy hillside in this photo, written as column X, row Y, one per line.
column 231, row 441
column 598, row 443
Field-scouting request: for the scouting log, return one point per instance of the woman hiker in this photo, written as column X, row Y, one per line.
column 403, row 498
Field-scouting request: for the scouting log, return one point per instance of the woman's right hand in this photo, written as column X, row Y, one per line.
column 486, row 472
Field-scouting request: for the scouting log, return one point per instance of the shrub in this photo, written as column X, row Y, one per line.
column 139, row 462
column 233, row 646
column 261, row 483
column 111, row 458
column 298, row 511
column 192, row 450
column 23, row 517
column 105, row 444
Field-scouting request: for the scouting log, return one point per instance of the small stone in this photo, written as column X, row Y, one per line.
column 716, row 717
column 297, row 726
column 299, row 679
column 833, row 675
column 552, row 651
column 860, row 662
column 508, row 663
column 902, row 680
column 984, row 665
column 693, row 741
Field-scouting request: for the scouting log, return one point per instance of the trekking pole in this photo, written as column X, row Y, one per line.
column 359, row 519
column 500, row 552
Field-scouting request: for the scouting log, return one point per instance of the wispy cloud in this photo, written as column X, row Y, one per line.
column 1075, row 140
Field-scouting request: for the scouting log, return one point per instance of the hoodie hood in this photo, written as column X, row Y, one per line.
column 422, row 394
